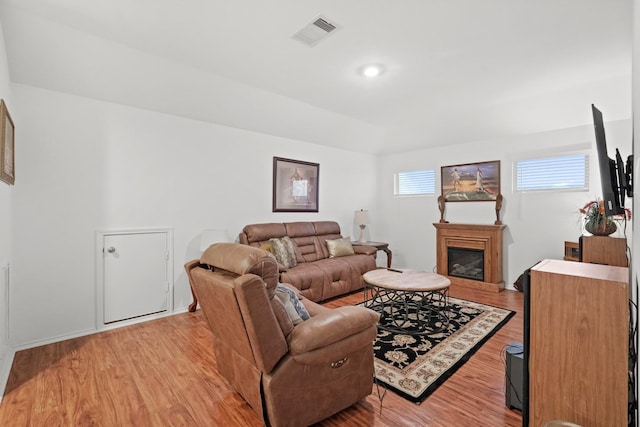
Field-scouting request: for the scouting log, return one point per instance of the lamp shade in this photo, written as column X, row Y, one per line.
column 211, row 236
column 362, row 217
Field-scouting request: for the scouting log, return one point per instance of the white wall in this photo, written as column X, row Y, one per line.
column 6, row 205
column 88, row 165
column 537, row 223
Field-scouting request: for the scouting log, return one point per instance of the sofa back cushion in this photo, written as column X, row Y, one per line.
column 326, row 230
column 258, row 234
column 308, row 249
column 299, row 229
column 309, row 237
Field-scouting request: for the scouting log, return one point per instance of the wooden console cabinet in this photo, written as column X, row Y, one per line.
column 604, row 250
column 577, row 347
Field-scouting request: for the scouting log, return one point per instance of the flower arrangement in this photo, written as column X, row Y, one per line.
column 595, row 220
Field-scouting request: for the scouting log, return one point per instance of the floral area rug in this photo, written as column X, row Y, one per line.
column 415, row 365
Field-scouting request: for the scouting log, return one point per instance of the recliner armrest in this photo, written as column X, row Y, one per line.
column 333, row 334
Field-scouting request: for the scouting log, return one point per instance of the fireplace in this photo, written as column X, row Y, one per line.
column 466, row 263
column 470, row 255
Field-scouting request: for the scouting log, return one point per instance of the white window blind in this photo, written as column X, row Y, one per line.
column 553, row 173
column 415, row 182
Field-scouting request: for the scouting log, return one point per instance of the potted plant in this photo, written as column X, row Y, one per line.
column 597, row 223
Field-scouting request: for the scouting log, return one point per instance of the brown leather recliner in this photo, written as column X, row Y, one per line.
column 290, row 375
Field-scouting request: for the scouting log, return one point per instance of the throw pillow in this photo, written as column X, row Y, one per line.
column 340, row 247
column 295, row 301
column 291, row 250
column 266, row 247
column 284, row 251
column 288, row 306
column 284, row 320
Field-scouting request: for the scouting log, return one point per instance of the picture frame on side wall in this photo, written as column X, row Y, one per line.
column 471, row 182
column 7, row 146
column 295, row 185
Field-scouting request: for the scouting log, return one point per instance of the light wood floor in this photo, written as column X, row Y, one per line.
column 163, row 373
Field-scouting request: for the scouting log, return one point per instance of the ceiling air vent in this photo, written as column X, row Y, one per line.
column 315, row 31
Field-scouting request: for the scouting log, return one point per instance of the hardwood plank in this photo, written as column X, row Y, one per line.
column 163, row 373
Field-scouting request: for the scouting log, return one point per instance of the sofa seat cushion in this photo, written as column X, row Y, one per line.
column 327, row 278
column 322, row 279
column 338, row 276
column 313, row 308
column 307, row 277
column 360, row 264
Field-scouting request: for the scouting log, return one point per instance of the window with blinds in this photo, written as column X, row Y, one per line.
column 415, row 183
column 553, row 173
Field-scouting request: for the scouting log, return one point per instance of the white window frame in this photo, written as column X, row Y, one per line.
column 429, row 180
column 551, row 158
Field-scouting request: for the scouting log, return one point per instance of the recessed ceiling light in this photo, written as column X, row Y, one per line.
column 372, row 70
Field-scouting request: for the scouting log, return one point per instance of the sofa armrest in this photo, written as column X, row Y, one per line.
column 364, row 250
column 333, row 334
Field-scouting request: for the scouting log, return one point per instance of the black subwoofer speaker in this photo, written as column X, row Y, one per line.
column 514, row 376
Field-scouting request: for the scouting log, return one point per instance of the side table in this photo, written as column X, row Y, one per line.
column 381, row 246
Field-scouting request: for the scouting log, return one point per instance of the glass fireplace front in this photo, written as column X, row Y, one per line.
column 466, row 263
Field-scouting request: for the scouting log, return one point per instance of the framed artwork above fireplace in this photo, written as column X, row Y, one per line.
column 471, row 182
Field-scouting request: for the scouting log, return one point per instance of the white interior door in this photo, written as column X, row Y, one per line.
column 136, row 275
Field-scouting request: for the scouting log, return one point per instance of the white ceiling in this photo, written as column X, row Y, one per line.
column 457, row 70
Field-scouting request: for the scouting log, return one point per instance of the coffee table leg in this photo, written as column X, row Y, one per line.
column 425, row 312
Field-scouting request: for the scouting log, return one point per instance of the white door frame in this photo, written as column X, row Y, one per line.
column 100, row 235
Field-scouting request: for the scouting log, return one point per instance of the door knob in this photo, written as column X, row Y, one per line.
column 111, row 249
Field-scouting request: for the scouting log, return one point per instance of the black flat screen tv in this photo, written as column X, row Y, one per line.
column 614, row 177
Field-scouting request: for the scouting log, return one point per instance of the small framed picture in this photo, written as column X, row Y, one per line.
column 471, row 182
column 295, row 185
column 7, row 147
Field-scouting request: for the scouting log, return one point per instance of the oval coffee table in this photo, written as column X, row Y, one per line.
column 416, row 301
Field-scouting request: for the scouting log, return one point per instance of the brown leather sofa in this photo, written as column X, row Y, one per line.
column 316, row 275
column 289, row 375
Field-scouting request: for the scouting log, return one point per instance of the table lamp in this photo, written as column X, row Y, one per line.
column 362, row 219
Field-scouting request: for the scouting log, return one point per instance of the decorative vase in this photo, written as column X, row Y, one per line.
column 604, row 227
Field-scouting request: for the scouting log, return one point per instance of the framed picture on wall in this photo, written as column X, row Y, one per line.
column 295, row 185
column 7, row 147
column 471, row 182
